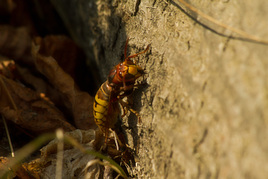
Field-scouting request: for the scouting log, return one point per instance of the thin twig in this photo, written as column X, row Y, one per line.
column 4, row 120
column 60, row 147
column 8, row 137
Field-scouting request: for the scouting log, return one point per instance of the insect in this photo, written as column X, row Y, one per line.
column 125, row 74
column 120, row 83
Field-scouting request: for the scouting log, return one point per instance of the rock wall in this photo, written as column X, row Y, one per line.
column 204, row 108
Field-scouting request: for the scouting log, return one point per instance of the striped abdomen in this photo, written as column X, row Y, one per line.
column 106, row 108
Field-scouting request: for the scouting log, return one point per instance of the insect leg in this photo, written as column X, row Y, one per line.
column 125, row 52
column 132, row 56
column 127, row 107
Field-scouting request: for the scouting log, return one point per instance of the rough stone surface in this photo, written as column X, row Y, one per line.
column 204, row 110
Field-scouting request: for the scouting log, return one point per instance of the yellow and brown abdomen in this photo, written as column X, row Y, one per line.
column 105, row 111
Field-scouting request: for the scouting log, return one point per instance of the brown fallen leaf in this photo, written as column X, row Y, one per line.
column 24, row 171
column 38, row 84
column 78, row 103
column 3, row 167
column 15, row 43
column 7, row 68
column 62, row 49
column 32, row 169
column 69, row 56
column 30, row 111
column 29, row 170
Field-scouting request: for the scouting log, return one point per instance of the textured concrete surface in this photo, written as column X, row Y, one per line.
column 204, row 110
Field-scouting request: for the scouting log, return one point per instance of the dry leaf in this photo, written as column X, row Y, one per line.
column 79, row 103
column 32, row 112
column 32, row 168
column 15, row 43
column 62, row 49
column 17, row 171
column 8, row 68
column 3, row 162
column 37, row 83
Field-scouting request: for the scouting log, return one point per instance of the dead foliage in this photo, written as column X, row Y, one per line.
column 35, row 108
column 38, row 88
column 40, row 93
column 76, row 101
column 31, row 110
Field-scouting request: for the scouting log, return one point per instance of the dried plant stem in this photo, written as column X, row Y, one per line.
column 60, row 148
column 8, row 137
column 4, row 88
